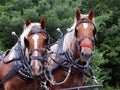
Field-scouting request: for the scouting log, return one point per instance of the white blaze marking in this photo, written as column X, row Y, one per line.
column 85, row 25
column 35, row 38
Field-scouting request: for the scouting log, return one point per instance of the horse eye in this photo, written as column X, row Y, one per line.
column 26, row 42
column 76, row 31
column 46, row 41
column 94, row 32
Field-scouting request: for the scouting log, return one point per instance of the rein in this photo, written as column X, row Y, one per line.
column 71, row 61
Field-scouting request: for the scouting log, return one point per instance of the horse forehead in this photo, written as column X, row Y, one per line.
column 35, row 37
column 85, row 25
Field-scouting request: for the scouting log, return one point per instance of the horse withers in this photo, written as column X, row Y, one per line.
column 21, row 68
column 73, row 52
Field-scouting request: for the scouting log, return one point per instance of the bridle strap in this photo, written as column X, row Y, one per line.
column 86, row 45
column 36, row 49
column 90, row 38
column 81, row 39
column 36, row 58
column 87, row 21
column 36, row 30
column 79, row 44
column 84, row 21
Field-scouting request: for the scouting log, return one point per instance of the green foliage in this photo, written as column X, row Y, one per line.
column 60, row 13
column 31, row 14
column 108, row 38
column 9, row 24
column 97, row 63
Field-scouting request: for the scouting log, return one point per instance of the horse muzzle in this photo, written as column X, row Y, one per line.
column 86, row 55
column 37, row 68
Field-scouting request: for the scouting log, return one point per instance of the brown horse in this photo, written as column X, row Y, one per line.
column 21, row 67
column 74, row 50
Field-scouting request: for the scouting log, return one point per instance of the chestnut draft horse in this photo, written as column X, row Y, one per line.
column 21, row 67
column 74, row 50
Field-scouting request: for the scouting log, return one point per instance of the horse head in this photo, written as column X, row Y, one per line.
column 35, row 41
column 85, row 32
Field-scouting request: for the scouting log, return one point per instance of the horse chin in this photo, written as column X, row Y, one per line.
column 36, row 72
column 85, row 63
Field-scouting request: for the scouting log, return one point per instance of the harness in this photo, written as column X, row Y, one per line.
column 90, row 38
column 22, row 67
column 66, row 59
column 36, row 30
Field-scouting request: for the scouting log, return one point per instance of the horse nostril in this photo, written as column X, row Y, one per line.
column 87, row 55
column 92, row 54
column 82, row 53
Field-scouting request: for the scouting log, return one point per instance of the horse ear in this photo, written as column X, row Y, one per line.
column 27, row 22
column 91, row 14
column 77, row 14
column 43, row 23
column 26, row 42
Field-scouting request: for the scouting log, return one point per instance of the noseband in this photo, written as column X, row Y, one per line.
column 79, row 45
column 36, row 30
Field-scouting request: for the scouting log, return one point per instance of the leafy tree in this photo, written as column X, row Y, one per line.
column 97, row 63
column 60, row 13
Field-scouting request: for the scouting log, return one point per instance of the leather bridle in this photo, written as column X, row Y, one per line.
column 79, row 45
column 36, row 30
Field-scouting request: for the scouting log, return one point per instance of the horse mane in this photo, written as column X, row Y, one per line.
column 26, row 31
column 70, row 39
